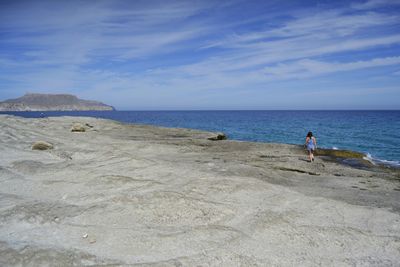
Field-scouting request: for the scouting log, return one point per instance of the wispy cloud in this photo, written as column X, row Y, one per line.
column 308, row 68
column 370, row 4
column 175, row 47
column 79, row 34
column 323, row 25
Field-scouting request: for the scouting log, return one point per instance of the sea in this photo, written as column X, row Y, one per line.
column 374, row 133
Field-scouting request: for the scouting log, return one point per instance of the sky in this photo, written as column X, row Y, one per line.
column 193, row 55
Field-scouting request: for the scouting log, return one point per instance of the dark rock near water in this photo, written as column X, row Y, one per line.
column 351, row 158
column 217, row 137
column 339, row 153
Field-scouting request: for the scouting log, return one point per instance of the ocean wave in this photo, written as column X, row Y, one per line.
column 376, row 161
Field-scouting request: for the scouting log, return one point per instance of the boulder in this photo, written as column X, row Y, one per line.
column 217, row 137
column 78, row 128
column 41, row 145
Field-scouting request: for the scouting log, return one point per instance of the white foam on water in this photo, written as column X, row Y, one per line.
column 369, row 158
column 335, row 148
column 373, row 160
column 390, row 163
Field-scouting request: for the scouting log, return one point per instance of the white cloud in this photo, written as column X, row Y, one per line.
column 78, row 35
column 324, row 25
column 370, row 4
column 308, row 68
column 61, row 50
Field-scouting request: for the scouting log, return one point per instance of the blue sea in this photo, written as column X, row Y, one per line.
column 375, row 133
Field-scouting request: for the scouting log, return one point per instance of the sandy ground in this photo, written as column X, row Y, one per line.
column 145, row 196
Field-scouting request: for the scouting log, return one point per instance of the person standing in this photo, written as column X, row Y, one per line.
column 311, row 145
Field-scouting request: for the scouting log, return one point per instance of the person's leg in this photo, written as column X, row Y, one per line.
column 309, row 155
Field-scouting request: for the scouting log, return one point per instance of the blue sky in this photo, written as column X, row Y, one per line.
column 155, row 55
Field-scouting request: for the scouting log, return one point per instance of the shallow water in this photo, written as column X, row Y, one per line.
column 375, row 133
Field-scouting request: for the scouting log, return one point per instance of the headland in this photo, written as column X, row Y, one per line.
column 52, row 102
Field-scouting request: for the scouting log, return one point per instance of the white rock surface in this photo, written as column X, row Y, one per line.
column 128, row 194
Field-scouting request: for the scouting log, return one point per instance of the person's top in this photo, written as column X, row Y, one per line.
column 310, row 143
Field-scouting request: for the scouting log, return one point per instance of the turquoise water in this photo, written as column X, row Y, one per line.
column 375, row 133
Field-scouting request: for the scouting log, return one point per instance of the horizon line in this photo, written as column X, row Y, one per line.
column 159, row 110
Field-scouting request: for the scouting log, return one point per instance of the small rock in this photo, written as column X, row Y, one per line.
column 217, row 137
column 92, row 240
column 41, row 145
column 89, row 125
column 78, row 128
column 56, row 219
column 85, row 236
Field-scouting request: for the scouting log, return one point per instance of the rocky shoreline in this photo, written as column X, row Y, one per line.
column 99, row 192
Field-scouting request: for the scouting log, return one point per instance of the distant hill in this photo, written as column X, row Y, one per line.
column 51, row 102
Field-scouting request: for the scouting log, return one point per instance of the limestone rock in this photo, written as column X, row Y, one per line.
column 78, row 128
column 217, row 137
column 41, row 145
column 174, row 197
